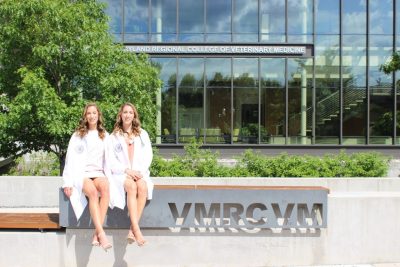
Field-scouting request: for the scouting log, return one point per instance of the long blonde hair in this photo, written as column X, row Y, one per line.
column 135, row 122
column 83, row 126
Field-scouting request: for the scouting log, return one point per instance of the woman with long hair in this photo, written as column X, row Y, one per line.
column 84, row 172
column 130, row 155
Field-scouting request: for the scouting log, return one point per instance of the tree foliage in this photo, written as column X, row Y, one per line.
column 391, row 65
column 55, row 56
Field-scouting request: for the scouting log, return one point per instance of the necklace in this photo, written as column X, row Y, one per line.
column 128, row 139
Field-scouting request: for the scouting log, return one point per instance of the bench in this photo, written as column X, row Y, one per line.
column 220, row 206
column 29, row 219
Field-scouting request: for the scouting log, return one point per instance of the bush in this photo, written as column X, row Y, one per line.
column 36, row 164
column 197, row 162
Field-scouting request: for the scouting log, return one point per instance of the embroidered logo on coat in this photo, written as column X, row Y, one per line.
column 79, row 149
column 118, row 148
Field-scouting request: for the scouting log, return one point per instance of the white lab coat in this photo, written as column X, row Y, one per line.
column 118, row 161
column 74, row 173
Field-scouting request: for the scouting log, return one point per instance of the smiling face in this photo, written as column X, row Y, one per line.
column 127, row 116
column 92, row 117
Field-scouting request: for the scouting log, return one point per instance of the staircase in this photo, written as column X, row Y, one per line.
column 328, row 108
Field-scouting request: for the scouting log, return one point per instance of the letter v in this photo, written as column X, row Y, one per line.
column 179, row 219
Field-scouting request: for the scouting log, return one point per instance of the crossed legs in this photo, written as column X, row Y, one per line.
column 136, row 199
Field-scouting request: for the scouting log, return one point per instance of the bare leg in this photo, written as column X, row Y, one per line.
column 131, row 190
column 89, row 189
column 103, row 188
column 141, row 196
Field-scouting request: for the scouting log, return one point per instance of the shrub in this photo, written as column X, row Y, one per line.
column 38, row 163
column 197, row 162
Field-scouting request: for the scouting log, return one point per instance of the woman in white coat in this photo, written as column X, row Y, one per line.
column 84, row 175
column 129, row 157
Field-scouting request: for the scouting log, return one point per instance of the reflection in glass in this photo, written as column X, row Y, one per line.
column 114, row 11
column 272, row 74
column 218, row 38
column 218, row 16
column 245, row 38
column 272, row 19
column 327, row 82
column 327, row 16
column 354, row 89
column 166, row 38
column 167, row 70
column 163, row 16
column 381, row 16
column 218, row 101
column 300, row 16
column 397, row 17
column 163, row 20
column 354, row 17
column 245, row 17
column 190, row 38
column 190, row 99
column 381, row 99
column 245, row 100
column 398, row 111
column 191, row 16
column 300, row 38
column 136, row 14
column 300, row 100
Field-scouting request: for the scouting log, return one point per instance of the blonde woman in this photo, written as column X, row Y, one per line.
column 130, row 155
column 84, row 172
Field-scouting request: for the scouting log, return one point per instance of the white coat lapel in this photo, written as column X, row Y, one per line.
column 121, row 140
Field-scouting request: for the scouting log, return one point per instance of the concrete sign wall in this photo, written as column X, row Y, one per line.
column 219, row 208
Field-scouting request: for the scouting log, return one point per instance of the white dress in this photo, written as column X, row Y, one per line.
column 85, row 159
column 118, row 160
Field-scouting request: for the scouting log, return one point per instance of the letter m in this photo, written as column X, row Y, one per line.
column 310, row 218
column 205, row 218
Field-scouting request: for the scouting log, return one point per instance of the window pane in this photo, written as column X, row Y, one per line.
column 327, row 81
column 354, row 17
column 300, row 16
column 219, row 16
column 354, row 61
column 327, row 60
column 381, row 16
column 327, row 16
column 245, row 99
column 381, row 99
column 398, row 112
column 191, row 16
column 245, row 17
column 163, row 14
column 354, row 89
column 380, row 50
column 300, row 115
column 300, row 100
column 114, row 10
column 167, row 129
column 272, row 17
column 190, row 101
column 218, row 101
column 136, row 16
column 397, row 16
column 272, row 101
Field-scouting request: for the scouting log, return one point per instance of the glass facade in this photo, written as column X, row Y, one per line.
column 335, row 94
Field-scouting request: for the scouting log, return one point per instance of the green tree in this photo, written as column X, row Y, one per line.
column 391, row 65
column 55, row 56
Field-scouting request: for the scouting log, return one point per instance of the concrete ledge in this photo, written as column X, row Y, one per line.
column 42, row 191
column 363, row 228
column 360, row 231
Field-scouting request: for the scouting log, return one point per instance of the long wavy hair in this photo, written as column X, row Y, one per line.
column 118, row 129
column 83, row 126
